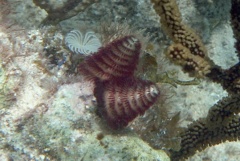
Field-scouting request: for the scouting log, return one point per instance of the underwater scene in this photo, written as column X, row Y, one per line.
column 119, row 80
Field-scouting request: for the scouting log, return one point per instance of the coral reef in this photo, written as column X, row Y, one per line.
column 48, row 110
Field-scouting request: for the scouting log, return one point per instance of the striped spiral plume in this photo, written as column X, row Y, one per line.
column 117, row 59
column 119, row 102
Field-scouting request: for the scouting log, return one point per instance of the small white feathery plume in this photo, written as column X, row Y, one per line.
column 82, row 44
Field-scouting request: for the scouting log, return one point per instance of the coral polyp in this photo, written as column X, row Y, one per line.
column 119, row 102
column 117, row 59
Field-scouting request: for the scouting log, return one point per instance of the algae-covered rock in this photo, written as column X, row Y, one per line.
column 70, row 130
column 120, row 148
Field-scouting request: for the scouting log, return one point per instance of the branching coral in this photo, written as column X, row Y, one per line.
column 187, row 49
column 222, row 122
column 235, row 15
column 229, row 78
column 44, row 135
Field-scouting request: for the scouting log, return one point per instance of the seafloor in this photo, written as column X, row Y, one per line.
column 47, row 109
